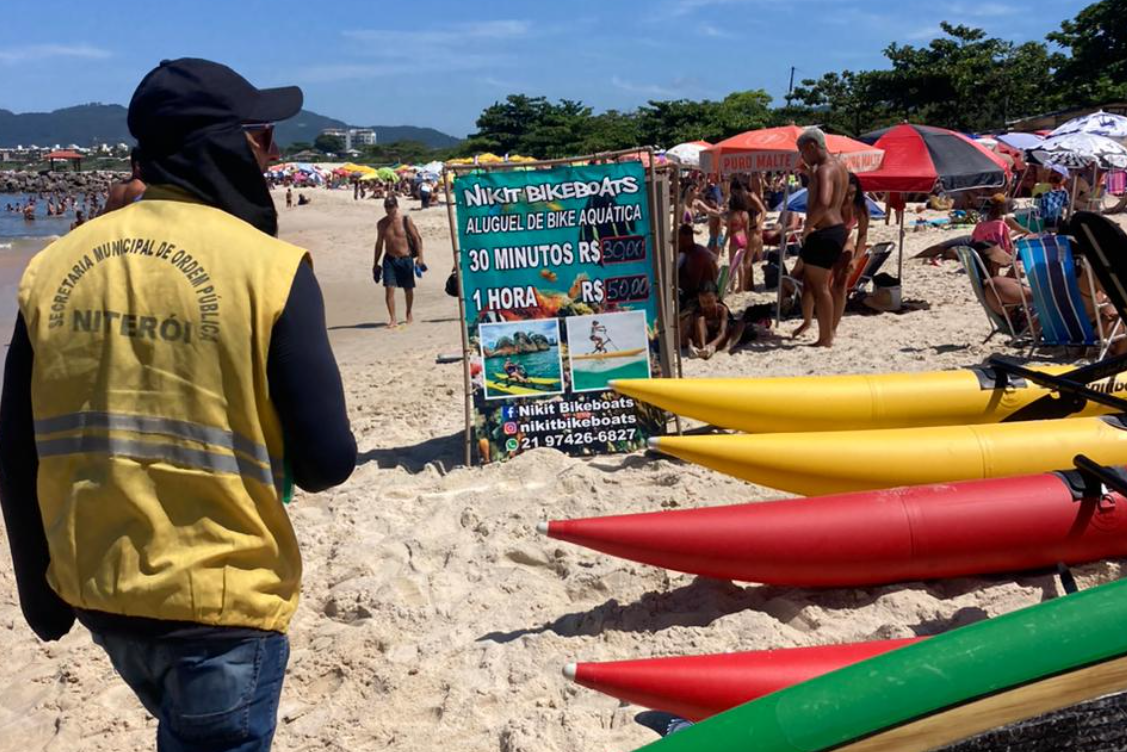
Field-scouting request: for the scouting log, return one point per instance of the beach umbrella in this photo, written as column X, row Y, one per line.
column 688, row 153
column 1081, row 150
column 386, row 173
column 1099, row 123
column 776, row 150
column 435, row 167
column 919, row 158
column 798, row 204
column 1020, row 141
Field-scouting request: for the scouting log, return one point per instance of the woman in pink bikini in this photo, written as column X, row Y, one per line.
column 745, row 239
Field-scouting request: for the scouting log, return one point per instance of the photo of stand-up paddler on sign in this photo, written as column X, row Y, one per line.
column 605, row 347
column 521, row 359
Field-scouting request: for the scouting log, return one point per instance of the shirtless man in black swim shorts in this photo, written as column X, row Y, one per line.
column 398, row 236
column 825, row 234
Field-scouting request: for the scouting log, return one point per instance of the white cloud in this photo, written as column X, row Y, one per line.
column 715, row 32
column 500, row 83
column 320, row 74
column 48, row 51
column 685, row 7
column 440, row 61
column 924, row 33
column 457, row 33
column 647, row 89
column 984, row 10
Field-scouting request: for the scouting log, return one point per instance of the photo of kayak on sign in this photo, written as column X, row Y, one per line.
column 557, row 270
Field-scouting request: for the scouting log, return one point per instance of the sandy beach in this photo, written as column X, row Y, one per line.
column 434, row 616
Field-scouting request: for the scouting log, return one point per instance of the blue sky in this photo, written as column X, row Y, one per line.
column 439, row 63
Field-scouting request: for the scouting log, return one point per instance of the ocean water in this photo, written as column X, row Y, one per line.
column 13, row 225
column 598, row 376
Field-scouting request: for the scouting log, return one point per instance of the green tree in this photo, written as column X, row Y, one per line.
column 328, row 144
column 963, row 80
column 501, row 126
column 610, row 131
column 560, row 131
column 297, row 146
column 740, row 111
column 1095, row 69
column 842, row 102
column 671, row 122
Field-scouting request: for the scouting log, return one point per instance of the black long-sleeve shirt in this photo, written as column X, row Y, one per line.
column 305, row 387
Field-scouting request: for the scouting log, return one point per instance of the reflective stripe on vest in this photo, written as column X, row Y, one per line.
column 249, row 459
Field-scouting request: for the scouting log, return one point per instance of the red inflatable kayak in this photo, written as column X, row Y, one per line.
column 874, row 537
column 701, row 686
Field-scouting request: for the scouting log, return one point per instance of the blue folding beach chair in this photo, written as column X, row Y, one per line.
column 1051, row 274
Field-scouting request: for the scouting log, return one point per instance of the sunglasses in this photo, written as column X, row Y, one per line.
column 263, row 133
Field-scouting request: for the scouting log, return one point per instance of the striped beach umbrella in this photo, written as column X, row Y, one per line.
column 1080, row 151
column 1099, row 123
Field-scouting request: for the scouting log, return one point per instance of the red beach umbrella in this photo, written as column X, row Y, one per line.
column 917, row 158
column 776, row 150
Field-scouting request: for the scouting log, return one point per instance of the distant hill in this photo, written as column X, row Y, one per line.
column 84, row 125
column 89, row 124
column 389, row 134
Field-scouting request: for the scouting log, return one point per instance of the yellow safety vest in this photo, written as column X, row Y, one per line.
column 160, row 452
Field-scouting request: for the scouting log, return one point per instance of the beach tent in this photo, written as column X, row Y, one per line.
column 776, row 150
column 919, row 158
column 688, row 153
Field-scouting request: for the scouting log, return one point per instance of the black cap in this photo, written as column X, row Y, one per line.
column 185, row 95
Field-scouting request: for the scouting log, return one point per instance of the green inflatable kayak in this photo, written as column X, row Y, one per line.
column 930, row 694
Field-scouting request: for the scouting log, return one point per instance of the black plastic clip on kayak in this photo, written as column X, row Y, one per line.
column 1067, row 581
column 1059, row 383
column 1113, row 478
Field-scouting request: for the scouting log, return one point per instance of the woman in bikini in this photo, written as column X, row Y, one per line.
column 855, row 212
column 745, row 239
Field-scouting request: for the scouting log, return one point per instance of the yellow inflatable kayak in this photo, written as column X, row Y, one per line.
column 515, row 389
column 839, row 461
column 607, row 355
column 846, row 403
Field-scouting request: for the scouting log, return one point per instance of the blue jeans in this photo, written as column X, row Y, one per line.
column 208, row 695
